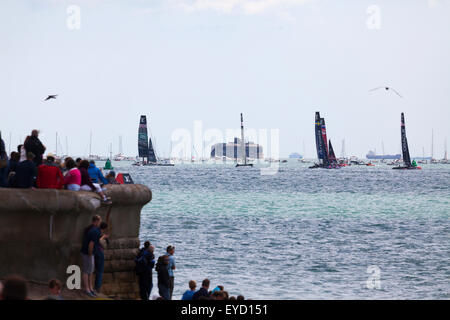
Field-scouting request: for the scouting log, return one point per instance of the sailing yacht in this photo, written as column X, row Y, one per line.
column 405, row 150
column 243, row 148
column 325, row 154
column 145, row 147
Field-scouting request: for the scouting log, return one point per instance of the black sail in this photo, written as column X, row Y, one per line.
column 405, row 149
column 332, row 156
column 143, row 138
column 319, row 139
column 151, row 152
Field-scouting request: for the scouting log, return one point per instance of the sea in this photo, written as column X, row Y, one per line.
column 352, row 233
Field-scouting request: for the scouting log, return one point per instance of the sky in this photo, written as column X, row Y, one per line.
column 180, row 61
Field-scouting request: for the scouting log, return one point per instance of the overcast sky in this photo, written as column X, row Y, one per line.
column 178, row 61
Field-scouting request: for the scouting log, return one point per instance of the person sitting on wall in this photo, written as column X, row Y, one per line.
column 91, row 238
column 72, row 179
column 189, row 294
column 111, row 177
column 13, row 161
column 54, row 288
column 26, row 173
column 96, row 174
column 49, row 175
column 203, row 291
column 87, row 184
column 4, row 164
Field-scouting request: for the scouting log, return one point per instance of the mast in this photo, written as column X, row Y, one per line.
column 405, row 149
column 90, row 144
column 67, row 147
column 244, row 154
column 343, row 149
column 382, row 148
column 445, row 153
column 432, row 144
column 120, row 145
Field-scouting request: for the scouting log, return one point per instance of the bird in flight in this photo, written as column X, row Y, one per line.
column 52, row 96
column 387, row 89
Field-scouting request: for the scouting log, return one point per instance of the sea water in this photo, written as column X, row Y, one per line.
column 354, row 233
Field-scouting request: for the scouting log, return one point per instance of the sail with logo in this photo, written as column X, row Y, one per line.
column 407, row 164
column 146, row 148
column 325, row 153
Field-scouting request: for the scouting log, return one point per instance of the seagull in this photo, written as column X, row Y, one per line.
column 387, row 88
column 52, row 96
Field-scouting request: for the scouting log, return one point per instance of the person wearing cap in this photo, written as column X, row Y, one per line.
column 34, row 145
column 171, row 267
column 49, row 175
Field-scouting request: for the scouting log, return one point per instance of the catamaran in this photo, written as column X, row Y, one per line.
column 145, row 147
column 326, row 156
column 243, row 148
column 405, row 150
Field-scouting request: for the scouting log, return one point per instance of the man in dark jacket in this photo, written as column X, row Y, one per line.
column 163, row 277
column 26, row 173
column 203, row 291
column 145, row 261
column 34, row 145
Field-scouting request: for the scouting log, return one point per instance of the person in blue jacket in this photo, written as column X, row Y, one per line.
column 96, row 174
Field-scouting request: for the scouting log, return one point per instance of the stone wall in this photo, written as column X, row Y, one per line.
column 41, row 232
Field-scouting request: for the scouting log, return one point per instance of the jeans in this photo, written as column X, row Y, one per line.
column 145, row 285
column 99, row 266
column 171, row 285
column 164, row 291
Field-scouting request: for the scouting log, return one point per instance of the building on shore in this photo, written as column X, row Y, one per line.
column 233, row 150
column 372, row 156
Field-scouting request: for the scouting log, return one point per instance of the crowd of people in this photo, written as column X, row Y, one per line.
column 165, row 267
column 94, row 242
column 27, row 168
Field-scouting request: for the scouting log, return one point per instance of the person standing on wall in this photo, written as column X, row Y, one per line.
column 34, row 145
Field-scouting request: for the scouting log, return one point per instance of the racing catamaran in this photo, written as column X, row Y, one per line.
column 325, row 153
column 405, row 150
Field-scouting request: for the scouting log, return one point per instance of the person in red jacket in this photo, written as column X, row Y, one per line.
column 49, row 175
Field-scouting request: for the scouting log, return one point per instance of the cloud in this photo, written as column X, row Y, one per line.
column 249, row 7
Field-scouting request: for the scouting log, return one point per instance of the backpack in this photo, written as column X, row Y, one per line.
column 141, row 263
